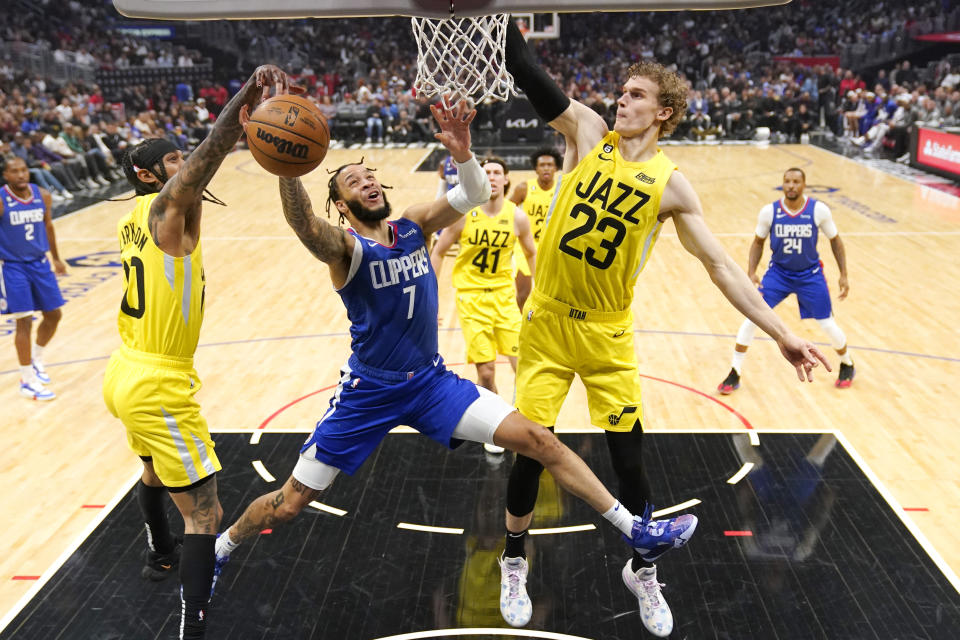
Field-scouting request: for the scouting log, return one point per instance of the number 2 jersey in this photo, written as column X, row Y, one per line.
column 793, row 234
column 23, row 233
column 162, row 307
column 391, row 300
column 601, row 228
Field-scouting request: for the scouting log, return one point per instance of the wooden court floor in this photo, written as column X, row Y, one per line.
column 276, row 332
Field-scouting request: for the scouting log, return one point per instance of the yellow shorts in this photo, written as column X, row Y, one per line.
column 490, row 321
column 556, row 342
column 153, row 396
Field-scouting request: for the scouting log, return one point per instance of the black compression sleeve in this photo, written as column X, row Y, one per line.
column 543, row 93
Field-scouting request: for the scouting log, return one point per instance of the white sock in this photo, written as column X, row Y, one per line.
column 26, row 373
column 225, row 546
column 846, row 359
column 38, row 354
column 738, row 358
column 620, row 517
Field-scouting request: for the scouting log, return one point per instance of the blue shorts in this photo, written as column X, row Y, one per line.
column 368, row 403
column 28, row 286
column 810, row 287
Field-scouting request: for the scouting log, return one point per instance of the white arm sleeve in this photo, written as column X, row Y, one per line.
column 764, row 220
column 824, row 219
column 474, row 187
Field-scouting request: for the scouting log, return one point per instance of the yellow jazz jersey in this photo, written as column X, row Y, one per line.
column 536, row 204
column 601, row 228
column 485, row 260
column 162, row 306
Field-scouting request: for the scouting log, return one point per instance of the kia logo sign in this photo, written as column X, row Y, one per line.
column 522, row 123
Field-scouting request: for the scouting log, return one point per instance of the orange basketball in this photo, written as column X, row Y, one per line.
column 288, row 136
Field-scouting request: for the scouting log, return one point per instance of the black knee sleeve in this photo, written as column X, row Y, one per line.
column 626, row 454
column 523, row 486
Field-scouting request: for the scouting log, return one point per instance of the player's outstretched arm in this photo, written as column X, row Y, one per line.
column 176, row 210
column 326, row 242
column 473, row 189
column 681, row 202
column 575, row 120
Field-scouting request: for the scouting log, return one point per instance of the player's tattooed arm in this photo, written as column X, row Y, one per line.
column 182, row 194
column 326, row 242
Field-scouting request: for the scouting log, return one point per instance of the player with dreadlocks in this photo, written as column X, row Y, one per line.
column 150, row 382
column 381, row 269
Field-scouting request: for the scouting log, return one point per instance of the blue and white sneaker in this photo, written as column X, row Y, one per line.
column 653, row 538
column 36, row 391
column 654, row 611
column 222, row 559
column 41, row 372
column 515, row 605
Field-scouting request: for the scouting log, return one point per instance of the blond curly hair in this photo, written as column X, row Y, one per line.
column 672, row 91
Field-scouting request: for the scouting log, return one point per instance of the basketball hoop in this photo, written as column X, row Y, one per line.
column 462, row 58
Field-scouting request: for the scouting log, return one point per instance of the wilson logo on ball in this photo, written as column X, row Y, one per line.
column 283, row 145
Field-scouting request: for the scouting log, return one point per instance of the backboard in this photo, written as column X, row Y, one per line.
column 252, row 9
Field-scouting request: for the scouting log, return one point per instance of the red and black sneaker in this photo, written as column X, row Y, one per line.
column 845, row 379
column 730, row 384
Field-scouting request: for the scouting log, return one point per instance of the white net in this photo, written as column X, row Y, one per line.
column 462, row 58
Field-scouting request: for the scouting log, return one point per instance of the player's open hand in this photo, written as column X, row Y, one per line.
column 803, row 355
column 844, row 288
column 454, row 124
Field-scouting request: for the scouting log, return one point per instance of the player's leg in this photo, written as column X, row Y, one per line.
column 163, row 549
column 201, row 511
column 342, row 440
column 813, row 297
column 17, row 304
column 47, row 298
column 773, row 288
column 542, row 383
column 45, row 330
column 477, row 316
column 614, row 397
column 487, row 375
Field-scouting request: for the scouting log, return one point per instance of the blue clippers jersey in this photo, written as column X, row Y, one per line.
column 23, row 234
column 391, row 301
column 793, row 237
column 450, row 175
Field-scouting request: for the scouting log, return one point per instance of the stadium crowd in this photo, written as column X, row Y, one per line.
column 745, row 77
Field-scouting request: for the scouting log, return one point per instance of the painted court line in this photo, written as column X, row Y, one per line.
column 741, row 474
column 900, row 511
column 429, row 529
column 69, row 551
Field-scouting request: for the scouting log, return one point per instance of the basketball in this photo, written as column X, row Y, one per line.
column 288, row 136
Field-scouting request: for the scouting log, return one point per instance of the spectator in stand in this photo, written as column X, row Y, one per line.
column 38, row 155
column 96, row 162
column 38, row 175
column 62, row 153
